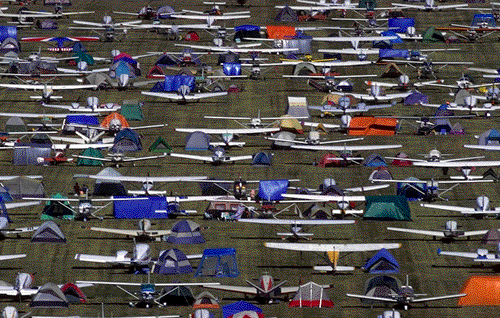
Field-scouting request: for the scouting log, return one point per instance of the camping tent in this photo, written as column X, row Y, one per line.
column 433, row 35
column 90, row 152
column 172, row 262
column 457, row 129
column 492, row 237
column 490, row 137
column 15, row 124
column 197, row 140
column 271, row 190
column 206, row 300
column 246, row 31
column 218, row 262
column 303, row 68
column 381, row 286
column 382, row 263
column 412, row 191
column 400, row 162
column 127, row 140
column 262, row 159
column 391, row 207
column 132, row 110
column 49, row 296
column 283, row 143
column 57, row 209
column 240, row 307
column 442, row 126
column 176, row 296
column 73, row 293
column 186, row 232
column 481, row 291
column 375, row 160
column 332, row 160
column 380, row 173
column 291, row 124
column 160, row 145
column 311, row 295
column 286, row 14
column 108, row 188
column 391, row 71
column 416, row 98
column 48, row 232
column 23, row 187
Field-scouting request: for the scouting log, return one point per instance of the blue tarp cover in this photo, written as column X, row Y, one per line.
column 174, row 82
column 247, row 27
column 481, row 18
column 385, row 53
column 400, row 25
column 153, row 208
column 8, row 32
column 237, row 307
column 271, row 190
column 82, row 119
column 392, row 33
column 231, row 69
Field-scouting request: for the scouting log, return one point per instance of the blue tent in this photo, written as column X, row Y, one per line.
column 481, row 18
column 443, row 126
column 8, row 32
column 237, row 307
column 389, row 53
column 416, row 98
column 186, row 232
column 127, row 140
column 152, row 208
column 3, row 208
column 231, row 69
column 218, row 262
column 412, row 191
column 443, row 111
column 382, row 263
column 197, row 140
column 375, row 160
column 489, row 137
column 262, row 159
column 271, row 190
column 174, row 82
column 392, row 33
column 172, row 262
column 400, row 25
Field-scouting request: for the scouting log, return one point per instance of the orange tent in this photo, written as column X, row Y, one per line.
column 107, row 120
column 481, row 291
column 372, row 126
column 280, row 32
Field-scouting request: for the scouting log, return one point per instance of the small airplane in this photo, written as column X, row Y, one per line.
column 184, row 94
column 355, row 40
column 449, row 233
column 425, row 67
column 470, row 106
column 252, row 48
column 254, row 122
column 375, row 93
column 265, row 291
column 429, row 6
column 313, row 138
column 47, row 89
column 108, row 26
column 60, row 41
column 92, row 107
column 403, row 84
column 482, row 208
column 5, row 220
column 463, row 82
column 405, row 296
column 118, row 158
column 229, row 135
column 219, row 156
column 145, row 13
column 344, row 201
column 344, row 107
column 471, row 33
column 345, row 149
column 143, row 234
column 332, row 251
column 481, row 255
column 210, row 19
column 296, row 227
column 329, row 83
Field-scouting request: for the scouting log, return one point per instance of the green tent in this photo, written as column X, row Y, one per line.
column 132, row 110
column 390, row 207
column 83, row 57
column 367, row 4
column 432, row 35
column 57, row 209
column 160, row 145
column 90, row 152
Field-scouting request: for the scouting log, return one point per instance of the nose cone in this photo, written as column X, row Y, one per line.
column 92, row 101
column 82, row 66
column 123, row 80
column 107, row 19
column 4, row 222
column 9, row 312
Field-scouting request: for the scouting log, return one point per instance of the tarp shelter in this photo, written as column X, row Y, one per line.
column 397, row 40
column 381, row 286
column 280, row 32
column 391, row 207
column 90, row 152
column 380, row 173
column 160, row 145
column 291, row 124
column 382, row 263
column 391, row 71
column 492, row 237
column 271, row 190
column 262, row 159
column 490, row 137
column 185, row 232
column 372, row 126
column 400, row 162
column 57, row 209
column 480, row 19
column 176, row 296
column 48, row 232
column 218, row 262
column 172, row 262
column 205, row 300
column 127, row 140
column 311, row 295
column 400, row 25
column 197, row 140
column 433, row 35
column 73, row 294
column 27, row 154
column 132, row 110
column 108, row 188
column 481, row 291
column 246, row 31
column 286, row 14
column 297, row 107
column 112, row 119
column 49, row 296
column 416, row 98
column 23, row 187
column 375, row 160
column 231, row 69
column 240, row 306
column 15, row 124
column 152, row 208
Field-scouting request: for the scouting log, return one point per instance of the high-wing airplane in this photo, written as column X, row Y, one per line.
column 183, row 95
column 375, row 93
column 348, row 150
column 209, row 19
column 143, row 234
column 219, row 156
column 344, row 107
column 471, row 33
column 470, row 106
column 266, row 291
column 254, row 122
column 429, row 6
column 425, row 67
column 450, row 232
column 253, row 48
column 482, row 208
column 47, row 89
column 332, row 251
column 403, row 84
column 313, row 138
column 463, row 82
column 92, row 107
column 355, row 40
column 297, row 227
column 5, row 220
column 405, row 296
column 344, row 202
column 107, row 26
column 60, row 41
column 229, row 135
column 118, row 158
column 481, row 255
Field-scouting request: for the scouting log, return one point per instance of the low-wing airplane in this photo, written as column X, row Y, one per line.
column 229, row 135
column 375, row 93
column 482, row 208
column 92, row 107
column 296, row 226
column 405, row 296
column 313, row 138
column 108, row 26
column 481, row 255
column 344, row 107
column 219, row 156
column 143, row 234
column 60, row 41
column 119, row 158
column 253, row 48
column 265, row 291
column 470, row 106
column 184, row 94
column 429, row 6
column 47, row 89
column 332, row 251
column 450, row 232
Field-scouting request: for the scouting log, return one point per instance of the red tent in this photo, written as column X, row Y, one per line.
column 311, row 295
column 192, row 36
column 331, row 160
column 400, row 162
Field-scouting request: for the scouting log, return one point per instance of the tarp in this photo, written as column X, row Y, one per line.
column 400, row 25
column 49, row 296
column 99, row 79
column 416, row 98
column 186, row 232
column 280, row 32
column 152, row 208
column 172, row 262
column 481, row 291
column 8, row 32
column 262, row 159
column 218, row 262
column 311, row 295
column 23, row 187
column 398, row 40
column 197, row 140
column 205, row 300
column 90, row 152
column 132, row 110
column 390, row 53
column 286, row 14
column 372, row 126
column 127, row 140
column 160, row 145
column 81, row 120
column 382, row 263
column 48, row 232
column 237, row 307
column 172, row 83
column 391, row 207
column 271, row 190
column 375, row 160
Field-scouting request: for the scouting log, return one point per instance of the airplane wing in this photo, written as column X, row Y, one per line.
column 130, row 232
column 311, row 247
column 213, row 17
column 456, row 164
column 236, row 289
column 473, row 233
column 237, row 158
column 99, row 258
column 298, row 222
column 451, row 6
column 448, row 207
column 324, row 198
column 423, row 232
column 133, row 159
column 458, row 254
column 8, row 291
column 175, row 96
column 194, row 157
column 239, row 131
column 408, row 6
column 54, row 87
column 354, row 38
column 33, row 115
column 485, row 147
column 350, row 51
column 11, row 256
column 13, row 205
column 144, row 179
column 93, row 158
column 391, row 300
column 345, row 147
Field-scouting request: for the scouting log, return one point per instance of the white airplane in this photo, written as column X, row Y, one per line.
column 449, row 232
column 209, row 19
column 23, row 286
column 241, row 48
column 344, row 107
column 266, row 291
column 47, row 89
column 463, row 83
column 481, row 255
column 345, row 148
column 403, row 83
column 332, row 251
column 144, row 233
column 313, row 138
column 343, row 201
column 253, row 122
column 375, row 93
column 118, row 158
column 482, row 208
column 470, row 106
column 429, row 6
column 219, row 156
column 44, row 14
column 355, row 40
column 107, row 22
column 405, row 296
column 184, row 94
column 228, row 136
column 296, row 227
